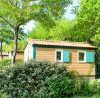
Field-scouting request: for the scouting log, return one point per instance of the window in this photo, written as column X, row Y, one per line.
column 81, row 56
column 59, row 55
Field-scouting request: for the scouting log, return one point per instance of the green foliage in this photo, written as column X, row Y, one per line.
column 88, row 25
column 88, row 18
column 21, row 45
column 87, row 87
column 3, row 95
column 95, row 96
column 64, row 30
column 83, row 87
column 18, row 12
column 95, row 86
column 9, row 47
column 5, row 34
column 4, row 63
column 21, row 42
column 75, row 10
column 37, row 31
column 37, row 80
column 61, row 85
column 96, row 40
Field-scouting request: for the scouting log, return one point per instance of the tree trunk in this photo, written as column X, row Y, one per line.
column 1, row 55
column 15, row 44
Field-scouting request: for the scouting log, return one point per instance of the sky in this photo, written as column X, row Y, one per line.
column 29, row 26
column 68, row 14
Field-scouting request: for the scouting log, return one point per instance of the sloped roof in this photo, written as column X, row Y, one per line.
column 60, row 43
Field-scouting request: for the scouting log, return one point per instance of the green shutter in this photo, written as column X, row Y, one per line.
column 66, row 56
column 34, row 52
column 90, row 56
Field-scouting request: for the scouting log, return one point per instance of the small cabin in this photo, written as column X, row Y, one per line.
column 19, row 55
column 80, row 56
column 5, row 55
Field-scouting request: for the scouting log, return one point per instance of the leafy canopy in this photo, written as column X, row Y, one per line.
column 88, row 18
column 62, row 31
column 18, row 12
column 5, row 32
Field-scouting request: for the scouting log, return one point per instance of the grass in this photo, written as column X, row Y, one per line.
column 4, row 62
column 95, row 96
column 7, row 62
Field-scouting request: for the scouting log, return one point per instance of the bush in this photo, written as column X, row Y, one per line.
column 95, row 86
column 3, row 95
column 61, row 85
column 37, row 79
column 84, row 87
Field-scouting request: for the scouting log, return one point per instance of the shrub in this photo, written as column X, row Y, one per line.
column 95, row 86
column 37, row 79
column 3, row 95
column 84, row 87
column 61, row 85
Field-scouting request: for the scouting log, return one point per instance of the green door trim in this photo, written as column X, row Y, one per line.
column 34, row 52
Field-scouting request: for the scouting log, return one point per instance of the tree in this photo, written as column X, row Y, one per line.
column 96, row 40
column 62, row 31
column 88, row 25
column 19, row 12
column 74, row 10
column 37, row 31
column 5, row 36
column 88, row 18
column 21, row 42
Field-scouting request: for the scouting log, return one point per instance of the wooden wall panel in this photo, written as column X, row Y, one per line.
column 81, row 67
column 20, row 56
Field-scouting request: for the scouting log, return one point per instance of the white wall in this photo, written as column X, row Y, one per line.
column 28, row 52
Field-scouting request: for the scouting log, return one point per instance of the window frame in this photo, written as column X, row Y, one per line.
column 57, row 50
column 78, row 56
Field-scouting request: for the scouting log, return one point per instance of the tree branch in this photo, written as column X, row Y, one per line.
column 6, row 21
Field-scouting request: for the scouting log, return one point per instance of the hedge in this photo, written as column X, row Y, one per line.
column 37, row 79
column 42, row 79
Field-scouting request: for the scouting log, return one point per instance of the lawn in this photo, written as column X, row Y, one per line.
column 4, row 63
column 95, row 96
